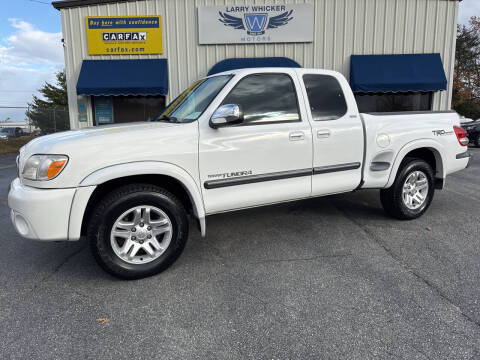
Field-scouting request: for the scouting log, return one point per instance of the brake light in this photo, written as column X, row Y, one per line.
column 461, row 135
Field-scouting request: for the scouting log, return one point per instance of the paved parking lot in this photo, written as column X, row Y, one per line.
column 323, row 278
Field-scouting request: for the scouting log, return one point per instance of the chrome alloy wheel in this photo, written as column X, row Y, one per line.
column 141, row 234
column 415, row 190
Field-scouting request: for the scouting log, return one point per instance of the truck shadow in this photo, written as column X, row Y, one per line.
column 363, row 204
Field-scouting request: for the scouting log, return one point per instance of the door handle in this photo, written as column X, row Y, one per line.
column 323, row 133
column 296, row 136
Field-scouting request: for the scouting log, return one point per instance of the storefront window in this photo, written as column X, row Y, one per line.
column 421, row 101
column 122, row 109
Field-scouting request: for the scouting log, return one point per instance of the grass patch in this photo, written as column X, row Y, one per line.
column 11, row 146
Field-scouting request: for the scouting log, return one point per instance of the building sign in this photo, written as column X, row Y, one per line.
column 251, row 23
column 103, row 110
column 124, row 35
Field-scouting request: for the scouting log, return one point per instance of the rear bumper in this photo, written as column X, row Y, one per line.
column 465, row 155
column 40, row 214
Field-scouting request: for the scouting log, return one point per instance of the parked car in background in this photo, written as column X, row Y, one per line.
column 13, row 132
column 464, row 120
column 235, row 140
column 473, row 131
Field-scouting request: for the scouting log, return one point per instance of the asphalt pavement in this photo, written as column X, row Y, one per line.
column 325, row 278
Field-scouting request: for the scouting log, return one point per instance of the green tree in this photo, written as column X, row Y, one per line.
column 466, row 84
column 50, row 114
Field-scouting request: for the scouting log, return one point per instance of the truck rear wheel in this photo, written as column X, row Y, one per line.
column 137, row 230
column 412, row 192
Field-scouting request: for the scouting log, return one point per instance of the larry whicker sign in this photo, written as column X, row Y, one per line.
column 233, row 24
column 124, row 35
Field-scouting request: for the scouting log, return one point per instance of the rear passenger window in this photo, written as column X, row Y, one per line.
column 325, row 96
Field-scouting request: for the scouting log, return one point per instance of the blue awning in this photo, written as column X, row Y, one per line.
column 123, row 77
column 242, row 63
column 397, row 73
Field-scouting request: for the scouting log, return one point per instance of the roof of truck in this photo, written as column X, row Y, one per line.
column 254, row 70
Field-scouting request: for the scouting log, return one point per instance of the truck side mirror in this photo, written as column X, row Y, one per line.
column 225, row 115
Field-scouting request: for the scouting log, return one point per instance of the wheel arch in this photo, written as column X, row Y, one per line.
column 425, row 149
column 171, row 177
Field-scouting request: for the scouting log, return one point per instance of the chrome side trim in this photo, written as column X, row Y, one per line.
column 250, row 179
column 335, row 168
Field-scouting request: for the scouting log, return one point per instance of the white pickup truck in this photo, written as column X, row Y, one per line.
column 231, row 141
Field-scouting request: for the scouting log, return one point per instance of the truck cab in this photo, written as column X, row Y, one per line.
column 294, row 123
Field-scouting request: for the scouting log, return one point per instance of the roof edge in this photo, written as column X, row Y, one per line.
column 63, row 4
column 76, row 3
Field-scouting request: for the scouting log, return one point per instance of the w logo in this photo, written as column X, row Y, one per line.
column 255, row 23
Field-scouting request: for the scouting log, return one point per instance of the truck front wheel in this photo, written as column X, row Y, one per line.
column 412, row 192
column 137, row 230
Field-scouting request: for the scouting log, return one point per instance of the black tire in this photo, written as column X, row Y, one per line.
column 117, row 202
column 391, row 198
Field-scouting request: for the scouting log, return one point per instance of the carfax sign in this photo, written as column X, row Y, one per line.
column 124, row 35
column 233, row 24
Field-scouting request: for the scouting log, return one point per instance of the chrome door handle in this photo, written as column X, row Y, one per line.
column 296, row 136
column 323, row 133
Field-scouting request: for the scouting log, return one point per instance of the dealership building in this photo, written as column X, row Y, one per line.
column 126, row 59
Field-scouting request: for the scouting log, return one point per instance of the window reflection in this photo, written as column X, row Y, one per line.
column 265, row 98
column 326, row 98
column 189, row 105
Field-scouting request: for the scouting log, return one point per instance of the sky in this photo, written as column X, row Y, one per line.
column 31, row 51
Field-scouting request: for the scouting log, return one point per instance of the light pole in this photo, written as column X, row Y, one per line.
column 29, row 120
column 54, row 120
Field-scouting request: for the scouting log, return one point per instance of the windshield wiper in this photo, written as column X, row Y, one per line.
column 167, row 118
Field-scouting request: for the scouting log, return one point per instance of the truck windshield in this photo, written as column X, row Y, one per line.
column 190, row 104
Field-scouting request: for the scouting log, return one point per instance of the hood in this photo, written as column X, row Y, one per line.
column 95, row 148
column 44, row 144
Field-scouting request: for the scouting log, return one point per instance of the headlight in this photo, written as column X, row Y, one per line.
column 44, row 167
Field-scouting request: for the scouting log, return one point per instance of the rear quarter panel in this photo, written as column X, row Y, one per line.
column 390, row 137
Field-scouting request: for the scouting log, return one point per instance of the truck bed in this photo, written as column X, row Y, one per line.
column 390, row 136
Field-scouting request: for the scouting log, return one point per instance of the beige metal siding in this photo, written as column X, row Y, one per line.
column 342, row 28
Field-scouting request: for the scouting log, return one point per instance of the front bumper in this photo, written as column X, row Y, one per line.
column 40, row 214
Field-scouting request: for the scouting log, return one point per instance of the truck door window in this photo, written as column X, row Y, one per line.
column 326, row 98
column 265, row 99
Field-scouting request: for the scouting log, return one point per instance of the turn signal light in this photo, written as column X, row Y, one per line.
column 55, row 167
column 461, row 135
